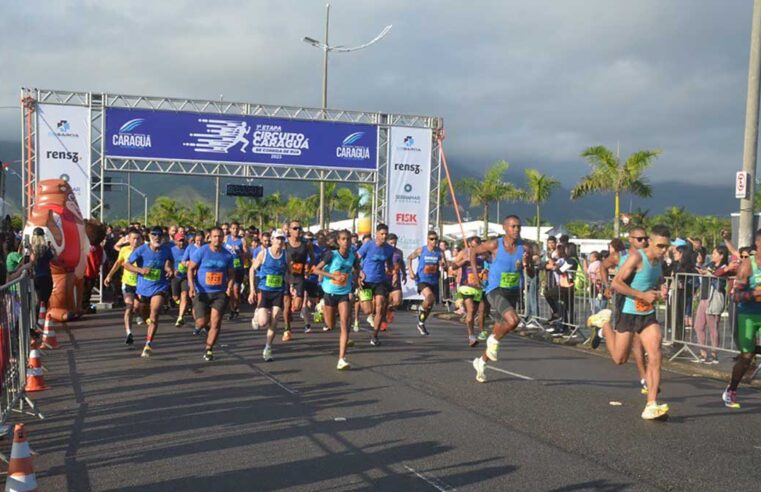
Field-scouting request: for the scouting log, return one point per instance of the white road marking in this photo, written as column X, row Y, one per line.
column 521, row 376
column 271, row 378
column 432, row 481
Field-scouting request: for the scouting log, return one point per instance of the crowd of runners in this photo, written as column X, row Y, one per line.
column 338, row 280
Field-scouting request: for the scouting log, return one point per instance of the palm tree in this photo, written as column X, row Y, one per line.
column 491, row 189
column 332, row 201
column 539, row 188
column 609, row 175
column 296, row 208
column 201, row 215
column 166, row 211
column 353, row 203
column 677, row 219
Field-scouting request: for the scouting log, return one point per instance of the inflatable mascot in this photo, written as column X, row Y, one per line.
column 57, row 213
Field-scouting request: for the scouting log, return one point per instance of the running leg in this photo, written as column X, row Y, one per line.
column 651, row 338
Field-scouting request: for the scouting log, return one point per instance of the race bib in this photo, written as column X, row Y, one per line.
column 297, row 268
column 342, row 280
column 236, row 263
column 472, row 278
column 182, row 268
column 273, row 281
column 510, row 280
column 642, row 306
column 430, row 268
column 213, row 279
column 154, row 275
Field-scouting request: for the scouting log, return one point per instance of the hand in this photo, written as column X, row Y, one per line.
column 412, row 275
column 107, row 281
column 192, row 291
column 229, row 292
column 169, row 274
column 725, row 234
column 649, row 297
column 252, row 298
column 145, row 271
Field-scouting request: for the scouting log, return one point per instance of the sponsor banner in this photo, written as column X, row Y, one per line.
column 185, row 136
column 409, row 173
column 63, row 148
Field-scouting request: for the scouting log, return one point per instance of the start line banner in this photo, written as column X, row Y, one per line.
column 409, row 179
column 186, row 136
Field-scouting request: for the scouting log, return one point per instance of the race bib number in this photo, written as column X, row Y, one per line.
column 213, row 279
column 297, row 268
column 237, row 263
column 182, row 268
column 472, row 278
column 510, row 280
column 642, row 306
column 342, row 280
column 431, row 268
column 273, row 281
column 154, row 275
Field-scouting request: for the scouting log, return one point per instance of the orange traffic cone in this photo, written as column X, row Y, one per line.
column 42, row 315
column 35, row 381
column 21, row 476
column 48, row 334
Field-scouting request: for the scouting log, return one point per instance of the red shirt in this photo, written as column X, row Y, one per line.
column 94, row 261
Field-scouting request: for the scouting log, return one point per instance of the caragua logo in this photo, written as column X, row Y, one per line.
column 348, row 149
column 126, row 138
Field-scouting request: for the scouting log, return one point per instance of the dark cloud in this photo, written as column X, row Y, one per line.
column 532, row 81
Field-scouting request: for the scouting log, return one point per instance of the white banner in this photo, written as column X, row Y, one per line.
column 63, row 148
column 408, row 185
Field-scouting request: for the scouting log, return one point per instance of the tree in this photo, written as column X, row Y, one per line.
column 581, row 229
column 296, row 208
column 677, row 219
column 354, row 203
column 332, row 201
column 201, row 215
column 166, row 211
column 538, row 190
column 609, row 175
column 491, row 189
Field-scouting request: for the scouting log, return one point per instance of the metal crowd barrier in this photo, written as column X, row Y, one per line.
column 17, row 316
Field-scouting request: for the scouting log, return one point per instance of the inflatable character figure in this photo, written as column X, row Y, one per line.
column 57, row 213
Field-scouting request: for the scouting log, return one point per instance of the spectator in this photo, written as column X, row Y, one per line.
column 41, row 255
column 713, row 290
column 682, row 266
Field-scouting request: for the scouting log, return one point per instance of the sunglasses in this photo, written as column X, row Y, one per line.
column 279, row 238
column 640, row 239
column 433, row 239
column 662, row 245
column 295, row 228
column 154, row 233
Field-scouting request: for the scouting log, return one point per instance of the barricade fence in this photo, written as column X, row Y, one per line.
column 697, row 316
column 17, row 316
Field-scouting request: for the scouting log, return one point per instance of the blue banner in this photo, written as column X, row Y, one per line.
column 211, row 137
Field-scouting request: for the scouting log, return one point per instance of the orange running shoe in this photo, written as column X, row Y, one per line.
column 287, row 336
column 390, row 317
column 383, row 326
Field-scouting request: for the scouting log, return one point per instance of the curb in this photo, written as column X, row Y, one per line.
column 684, row 368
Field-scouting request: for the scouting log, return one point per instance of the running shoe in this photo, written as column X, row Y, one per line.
column 598, row 319
column 654, row 411
column 196, row 331
column 643, row 386
column 492, row 347
column 307, row 328
column 326, row 328
column 375, row 342
column 180, row 321
column 204, row 331
column 139, row 320
column 287, row 336
column 390, row 317
column 129, row 340
column 370, row 320
column 254, row 323
column 350, row 343
column 356, row 325
column 342, row 364
column 147, row 352
column 596, row 338
column 730, row 398
column 472, row 341
column 383, row 326
column 480, row 366
column 421, row 328
column 231, row 316
column 267, row 354
column 483, row 336
column 208, row 356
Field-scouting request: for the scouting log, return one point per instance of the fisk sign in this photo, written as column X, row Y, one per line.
column 406, row 219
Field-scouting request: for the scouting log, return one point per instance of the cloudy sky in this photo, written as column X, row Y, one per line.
column 531, row 81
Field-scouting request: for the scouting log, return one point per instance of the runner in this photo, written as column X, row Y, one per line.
column 377, row 256
column 312, row 288
column 129, row 279
column 638, row 313
column 747, row 295
column 504, row 287
column 211, row 273
column 253, row 278
column 234, row 244
column 395, row 297
column 180, row 279
column 270, row 266
column 336, row 268
column 148, row 261
column 432, row 262
column 471, row 295
column 298, row 253
column 198, row 240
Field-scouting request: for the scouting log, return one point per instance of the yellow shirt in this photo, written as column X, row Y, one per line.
column 128, row 278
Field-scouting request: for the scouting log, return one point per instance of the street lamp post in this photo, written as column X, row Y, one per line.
column 326, row 48
column 145, row 201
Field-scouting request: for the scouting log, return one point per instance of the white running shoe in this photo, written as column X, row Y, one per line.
column 267, row 354
column 342, row 364
column 254, row 323
column 138, row 320
column 356, row 325
column 480, row 366
column 370, row 320
column 147, row 352
column 492, row 347
column 654, row 411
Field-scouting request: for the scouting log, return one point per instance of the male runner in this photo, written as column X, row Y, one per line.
column 337, row 267
column 180, row 279
column 638, row 313
column 395, row 297
column 376, row 259
column 432, row 262
column 211, row 272
column 153, row 264
column 509, row 257
column 312, row 288
column 234, row 244
column 471, row 296
column 253, row 278
column 298, row 253
column 747, row 295
column 270, row 265
column 129, row 280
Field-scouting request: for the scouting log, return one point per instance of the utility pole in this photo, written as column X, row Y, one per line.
column 216, row 200
column 324, row 103
column 751, row 128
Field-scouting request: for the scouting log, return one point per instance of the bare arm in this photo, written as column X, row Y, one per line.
column 487, row 247
column 629, row 268
column 112, row 272
column 415, row 254
column 192, row 270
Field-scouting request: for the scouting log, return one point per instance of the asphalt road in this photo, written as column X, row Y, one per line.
column 409, row 415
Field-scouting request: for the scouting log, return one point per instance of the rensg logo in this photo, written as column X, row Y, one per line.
column 60, row 154
column 415, row 168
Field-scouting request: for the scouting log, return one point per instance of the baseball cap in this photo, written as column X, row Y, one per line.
column 278, row 233
column 38, row 231
column 179, row 236
column 157, row 230
column 678, row 242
